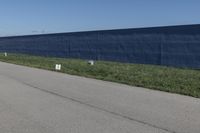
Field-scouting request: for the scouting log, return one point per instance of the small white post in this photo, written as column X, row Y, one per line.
column 58, row 67
column 91, row 62
column 5, row 54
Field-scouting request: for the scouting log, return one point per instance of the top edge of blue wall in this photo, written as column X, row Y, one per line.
column 176, row 29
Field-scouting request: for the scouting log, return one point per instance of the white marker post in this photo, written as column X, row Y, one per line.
column 58, row 67
column 91, row 62
column 5, row 54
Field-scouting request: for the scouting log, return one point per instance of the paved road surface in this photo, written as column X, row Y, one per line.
column 39, row 101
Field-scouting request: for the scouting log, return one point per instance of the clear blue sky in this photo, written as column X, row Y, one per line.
column 19, row 17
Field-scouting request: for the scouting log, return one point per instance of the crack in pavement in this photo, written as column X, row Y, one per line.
column 90, row 105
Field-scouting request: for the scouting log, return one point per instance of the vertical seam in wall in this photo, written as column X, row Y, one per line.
column 161, row 47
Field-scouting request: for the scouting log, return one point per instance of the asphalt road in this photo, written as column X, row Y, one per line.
column 40, row 101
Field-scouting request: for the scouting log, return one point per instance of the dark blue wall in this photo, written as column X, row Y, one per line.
column 177, row 46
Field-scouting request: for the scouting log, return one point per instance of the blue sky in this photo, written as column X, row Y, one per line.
column 19, row 17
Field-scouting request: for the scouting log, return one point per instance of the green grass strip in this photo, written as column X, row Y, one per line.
column 168, row 79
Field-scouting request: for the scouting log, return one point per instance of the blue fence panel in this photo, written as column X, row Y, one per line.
column 177, row 46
